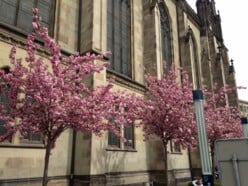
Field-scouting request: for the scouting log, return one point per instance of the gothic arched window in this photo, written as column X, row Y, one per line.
column 165, row 35
column 18, row 13
column 118, row 35
column 194, row 64
column 4, row 101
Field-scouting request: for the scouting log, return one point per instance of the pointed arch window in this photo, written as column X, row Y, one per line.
column 165, row 35
column 18, row 13
column 194, row 64
column 4, row 101
column 118, row 35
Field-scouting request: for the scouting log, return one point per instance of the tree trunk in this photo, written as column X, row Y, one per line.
column 47, row 157
column 212, row 158
column 165, row 164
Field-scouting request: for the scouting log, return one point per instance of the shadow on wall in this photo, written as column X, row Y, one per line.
column 155, row 163
column 106, row 166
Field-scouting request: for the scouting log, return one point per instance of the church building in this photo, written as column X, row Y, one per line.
column 140, row 34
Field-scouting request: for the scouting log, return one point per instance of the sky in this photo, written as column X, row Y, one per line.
column 234, row 15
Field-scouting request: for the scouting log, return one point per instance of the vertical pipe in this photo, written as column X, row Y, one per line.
column 73, row 152
column 236, row 170
column 202, row 138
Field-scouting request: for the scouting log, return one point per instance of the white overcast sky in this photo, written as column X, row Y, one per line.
column 234, row 17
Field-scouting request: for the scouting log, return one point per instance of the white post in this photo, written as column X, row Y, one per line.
column 202, row 138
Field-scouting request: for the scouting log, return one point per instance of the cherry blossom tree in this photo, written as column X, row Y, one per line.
column 48, row 96
column 222, row 121
column 168, row 111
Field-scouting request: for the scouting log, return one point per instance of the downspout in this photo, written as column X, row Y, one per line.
column 74, row 134
column 73, row 152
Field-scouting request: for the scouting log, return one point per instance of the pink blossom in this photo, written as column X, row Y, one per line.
column 57, row 99
column 168, row 111
column 35, row 11
column 34, row 25
column 108, row 53
column 222, row 121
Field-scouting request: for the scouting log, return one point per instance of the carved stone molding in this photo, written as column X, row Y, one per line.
column 125, row 82
column 14, row 37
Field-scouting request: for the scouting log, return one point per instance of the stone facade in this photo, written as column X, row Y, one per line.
column 196, row 44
